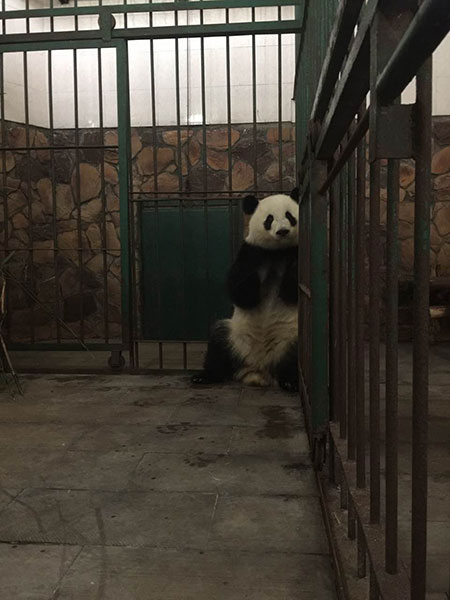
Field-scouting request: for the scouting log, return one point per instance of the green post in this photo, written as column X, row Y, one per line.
column 123, row 115
column 319, row 300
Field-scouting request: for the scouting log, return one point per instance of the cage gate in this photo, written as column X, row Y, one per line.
column 54, row 182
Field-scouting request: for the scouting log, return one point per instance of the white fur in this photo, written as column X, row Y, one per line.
column 277, row 206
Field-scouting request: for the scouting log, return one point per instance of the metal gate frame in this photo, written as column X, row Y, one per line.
column 393, row 43
column 123, row 112
column 108, row 35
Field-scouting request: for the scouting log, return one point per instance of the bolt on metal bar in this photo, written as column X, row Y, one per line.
column 360, row 285
column 423, row 200
column 374, row 340
column 392, row 274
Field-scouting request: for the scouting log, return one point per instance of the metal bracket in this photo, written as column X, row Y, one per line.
column 106, row 22
column 392, row 136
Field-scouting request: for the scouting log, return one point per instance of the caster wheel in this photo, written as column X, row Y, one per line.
column 116, row 361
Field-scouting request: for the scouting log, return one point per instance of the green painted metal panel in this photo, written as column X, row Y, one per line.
column 186, row 254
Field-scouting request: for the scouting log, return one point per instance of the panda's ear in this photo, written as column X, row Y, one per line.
column 295, row 194
column 249, row 205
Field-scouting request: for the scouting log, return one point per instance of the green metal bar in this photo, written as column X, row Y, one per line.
column 142, row 7
column 55, row 45
column 173, row 32
column 123, row 116
column 66, row 347
column 319, row 301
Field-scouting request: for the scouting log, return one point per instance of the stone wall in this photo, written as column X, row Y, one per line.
column 62, row 209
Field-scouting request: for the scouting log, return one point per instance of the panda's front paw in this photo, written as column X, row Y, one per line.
column 289, row 386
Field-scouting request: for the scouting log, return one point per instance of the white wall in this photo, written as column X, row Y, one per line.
column 88, row 100
column 189, row 61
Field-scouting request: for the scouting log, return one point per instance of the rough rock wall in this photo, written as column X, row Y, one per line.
column 60, row 211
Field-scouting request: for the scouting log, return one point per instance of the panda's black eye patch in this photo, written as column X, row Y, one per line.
column 268, row 222
column 292, row 220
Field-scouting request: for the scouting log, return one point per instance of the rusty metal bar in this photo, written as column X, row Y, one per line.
column 351, row 312
column 392, row 274
column 374, row 340
column 360, row 307
column 343, row 305
column 334, row 305
column 423, row 201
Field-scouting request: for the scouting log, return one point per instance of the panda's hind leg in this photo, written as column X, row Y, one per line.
column 219, row 362
column 286, row 371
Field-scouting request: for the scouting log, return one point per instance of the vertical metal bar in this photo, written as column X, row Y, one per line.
column 280, row 109
column 319, row 300
column 392, row 273
column 374, row 593
column 123, row 114
column 361, row 553
column 374, row 342
column 351, row 316
column 54, row 204
column 351, row 521
column 254, row 113
column 30, row 217
column 343, row 306
column 103, row 195
column 334, row 313
column 423, row 200
column 205, row 169
column 78, row 190
column 360, row 285
column 155, row 181
column 4, row 180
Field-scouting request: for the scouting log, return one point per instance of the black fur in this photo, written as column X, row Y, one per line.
column 249, row 205
column 220, row 363
column 287, row 370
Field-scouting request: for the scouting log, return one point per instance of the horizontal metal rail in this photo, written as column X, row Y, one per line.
column 183, row 5
column 164, row 32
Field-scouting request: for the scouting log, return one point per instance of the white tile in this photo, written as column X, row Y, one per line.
column 269, row 13
column 441, row 66
column 88, row 109
column 37, row 63
column 441, row 103
column 240, row 15
column 216, row 105
column 64, row 23
column 62, row 71
column 215, row 67
column 241, row 104
column 40, row 25
column 214, row 16
column 241, row 66
column 63, row 110
column 109, row 70
column 139, row 70
column 164, row 70
column 14, row 102
column 141, row 108
column 163, row 19
column 15, row 26
column 166, row 112
column 267, row 103
column 138, row 20
column 13, row 68
column 38, row 110
column 110, row 109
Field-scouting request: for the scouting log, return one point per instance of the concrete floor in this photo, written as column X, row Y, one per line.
column 143, row 488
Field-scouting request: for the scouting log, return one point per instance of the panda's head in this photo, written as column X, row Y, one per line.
column 273, row 221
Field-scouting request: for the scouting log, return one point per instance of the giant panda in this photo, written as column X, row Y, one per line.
column 258, row 345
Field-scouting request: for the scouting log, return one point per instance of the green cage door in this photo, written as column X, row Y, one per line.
column 186, row 254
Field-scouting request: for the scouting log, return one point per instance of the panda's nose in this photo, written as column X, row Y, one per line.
column 282, row 232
